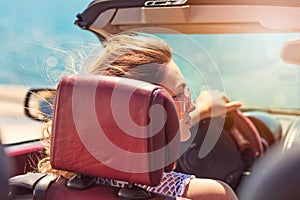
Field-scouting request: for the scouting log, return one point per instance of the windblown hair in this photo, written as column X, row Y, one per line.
column 132, row 55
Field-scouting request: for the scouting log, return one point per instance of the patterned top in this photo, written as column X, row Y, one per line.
column 172, row 184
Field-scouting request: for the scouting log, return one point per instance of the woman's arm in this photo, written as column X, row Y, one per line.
column 212, row 103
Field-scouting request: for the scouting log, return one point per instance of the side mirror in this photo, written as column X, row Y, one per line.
column 38, row 104
column 290, row 52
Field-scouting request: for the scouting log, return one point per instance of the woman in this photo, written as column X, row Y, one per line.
column 147, row 58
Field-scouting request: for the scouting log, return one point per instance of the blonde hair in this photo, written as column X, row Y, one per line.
column 130, row 55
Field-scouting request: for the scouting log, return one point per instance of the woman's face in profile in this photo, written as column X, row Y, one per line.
column 175, row 84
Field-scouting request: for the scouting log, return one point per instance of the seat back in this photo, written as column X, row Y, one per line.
column 115, row 128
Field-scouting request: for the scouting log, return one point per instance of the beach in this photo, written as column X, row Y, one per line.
column 15, row 127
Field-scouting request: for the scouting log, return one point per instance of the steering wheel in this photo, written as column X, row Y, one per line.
column 238, row 146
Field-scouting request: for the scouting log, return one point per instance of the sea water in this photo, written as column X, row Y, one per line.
column 36, row 38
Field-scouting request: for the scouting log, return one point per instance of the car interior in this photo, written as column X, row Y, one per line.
column 257, row 151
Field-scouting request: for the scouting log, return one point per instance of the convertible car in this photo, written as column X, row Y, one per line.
column 249, row 49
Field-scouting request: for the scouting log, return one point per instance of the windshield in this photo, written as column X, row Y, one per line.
column 247, row 67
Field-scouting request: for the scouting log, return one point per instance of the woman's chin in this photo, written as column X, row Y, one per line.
column 185, row 132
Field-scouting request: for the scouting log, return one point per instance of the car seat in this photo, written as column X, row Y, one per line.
column 114, row 128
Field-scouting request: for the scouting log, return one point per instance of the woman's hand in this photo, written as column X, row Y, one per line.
column 212, row 103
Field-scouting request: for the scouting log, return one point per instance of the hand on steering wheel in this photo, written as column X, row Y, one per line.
column 213, row 103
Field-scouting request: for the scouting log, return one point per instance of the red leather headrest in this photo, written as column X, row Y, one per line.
column 114, row 127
